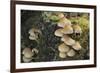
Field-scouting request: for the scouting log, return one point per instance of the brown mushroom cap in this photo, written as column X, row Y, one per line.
column 26, row 60
column 63, row 48
column 63, row 22
column 58, row 33
column 67, row 40
column 62, row 55
column 31, row 31
column 77, row 29
column 27, row 52
column 71, row 53
column 67, row 30
column 77, row 46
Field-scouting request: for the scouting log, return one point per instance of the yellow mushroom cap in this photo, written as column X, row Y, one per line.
column 60, row 15
column 62, row 55
column 27, row 52
column 58, row 33
column 63, row 22
column 63, row 48
column 67, row 40
column 67, row 30
column 71, row 53
column 77, row 29
column 77, row 46
column 26, row 60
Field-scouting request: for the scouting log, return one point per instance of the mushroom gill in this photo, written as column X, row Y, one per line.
column 67, row 40
column 58, row 33
column 77, row 46
column 63, row 48
column 62, row 55
column 71, row 53
column 26, row 60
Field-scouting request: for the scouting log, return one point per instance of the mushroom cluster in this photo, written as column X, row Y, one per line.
column 69, row 45
column 34, row 33
column 28, row 54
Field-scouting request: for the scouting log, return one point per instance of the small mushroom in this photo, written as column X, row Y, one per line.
column 58, row 33
column 26, row 60
column 63, row 22
column 67, row 40
column 33, row 37
column 71, row 53
column 67, row 30
column 60, row 15
column 34, row 50
column 77, row 29
column 27, row 52
column 62, row 55
column 31, row 32
column 34, row 33
column 77, row 46
column 63, row 48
